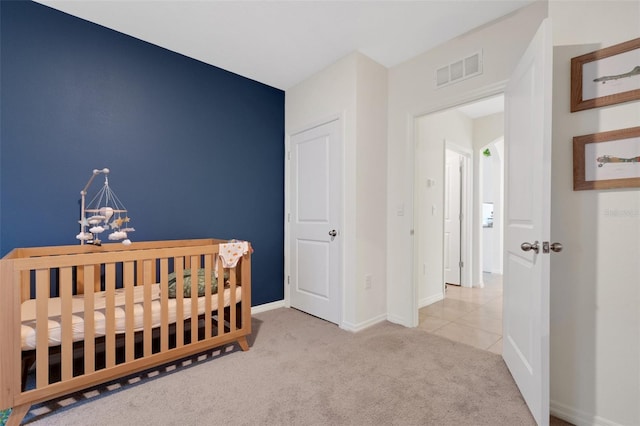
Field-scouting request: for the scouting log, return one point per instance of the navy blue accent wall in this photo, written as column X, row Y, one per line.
column 194, row 151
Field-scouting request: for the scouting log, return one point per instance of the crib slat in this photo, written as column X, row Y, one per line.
column 164, row 305
column 195, row 279
column 147, row 282
column 110, row 314
column 179, row 270
column 42, row 327
column 208, row 268
column 232, row 299
column 89, row 322
column 245, row 276
column 128, row 281
column 221, row 292
column 66, row 294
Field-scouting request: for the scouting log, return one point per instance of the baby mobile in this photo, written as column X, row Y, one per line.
column 103, row 213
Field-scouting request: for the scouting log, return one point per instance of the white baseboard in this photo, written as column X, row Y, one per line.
column 429, row 300
column 365, row 324
column 403, row 321
column 345, row 326
column 267, row 307
column 578, row 417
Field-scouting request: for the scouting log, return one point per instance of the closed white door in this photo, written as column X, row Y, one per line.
column 452, row 205
column 527, row 216
column 315, row 221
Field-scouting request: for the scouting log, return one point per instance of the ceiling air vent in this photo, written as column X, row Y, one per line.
column 459, row 70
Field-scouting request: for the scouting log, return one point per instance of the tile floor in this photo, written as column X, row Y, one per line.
column 468, row 315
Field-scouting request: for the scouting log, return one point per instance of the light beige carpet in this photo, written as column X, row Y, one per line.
column 301, row 370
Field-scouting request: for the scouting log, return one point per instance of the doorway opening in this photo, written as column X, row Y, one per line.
column 459, row 165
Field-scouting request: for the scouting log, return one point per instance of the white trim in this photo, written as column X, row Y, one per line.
column 456, row 101
column 287, row 215
column 342, row 226
column 316, row 123
column 430, row 300
column 412, row 117
column 287, row 205
column 578, row 417
column 348, row 326
column 399, row 320
column 267, row 307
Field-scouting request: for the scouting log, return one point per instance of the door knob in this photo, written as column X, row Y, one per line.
column 529, row 246
column 556, row 247
column 333, row 234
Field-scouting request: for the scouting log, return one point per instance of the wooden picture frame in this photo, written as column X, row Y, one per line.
column 607, row 160
column 605, row 77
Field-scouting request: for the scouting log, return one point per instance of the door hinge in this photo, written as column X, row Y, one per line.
column 288, row 217
column 288, row 155
column 461, row 264
column 288, row 279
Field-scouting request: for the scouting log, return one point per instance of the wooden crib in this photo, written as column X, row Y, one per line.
column 47, row 330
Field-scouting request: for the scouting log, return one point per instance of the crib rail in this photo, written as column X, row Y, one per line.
column 65, row 272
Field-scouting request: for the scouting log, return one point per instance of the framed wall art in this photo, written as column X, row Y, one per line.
column 607, row 160
column 605, row 77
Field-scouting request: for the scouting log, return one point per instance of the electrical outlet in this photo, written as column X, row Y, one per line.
column 367, row 281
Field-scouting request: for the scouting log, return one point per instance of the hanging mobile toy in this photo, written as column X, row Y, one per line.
column 104, row 212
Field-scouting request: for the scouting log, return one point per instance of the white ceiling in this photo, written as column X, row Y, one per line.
column 281, row 43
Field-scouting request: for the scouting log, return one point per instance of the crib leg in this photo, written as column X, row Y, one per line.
column 244, row 345
column 17, row 414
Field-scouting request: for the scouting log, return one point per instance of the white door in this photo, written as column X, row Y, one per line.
column 452, row 204
column 527, row 216
column 315, row 221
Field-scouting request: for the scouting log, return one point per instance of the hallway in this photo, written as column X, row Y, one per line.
column 468, row 315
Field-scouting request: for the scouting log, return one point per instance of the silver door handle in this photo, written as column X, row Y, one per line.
column 556, row 247
column 333, row 234
column 529, row 246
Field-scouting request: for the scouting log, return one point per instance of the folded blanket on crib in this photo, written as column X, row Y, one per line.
column 186, row 290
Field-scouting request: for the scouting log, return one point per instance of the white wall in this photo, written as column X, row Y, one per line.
column 412, row 93
column 431, row 132
column 595, row 282
column 355, row 89
column 371, row 186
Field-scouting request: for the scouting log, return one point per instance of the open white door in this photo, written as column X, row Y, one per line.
column 315, row 221
column 527, row 216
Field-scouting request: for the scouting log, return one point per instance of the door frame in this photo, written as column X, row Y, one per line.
column 412, row 121
column 466, row 209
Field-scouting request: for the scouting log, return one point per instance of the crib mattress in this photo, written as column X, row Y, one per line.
column 28, row 313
